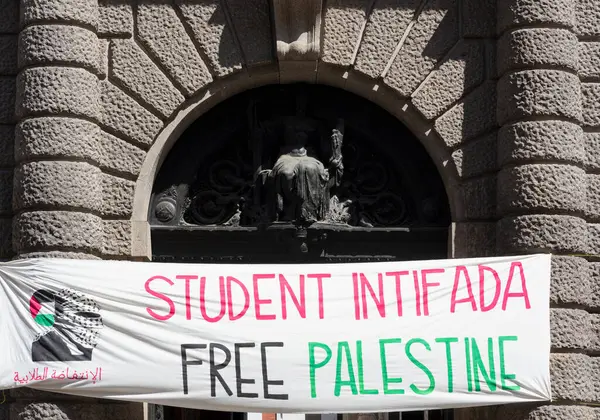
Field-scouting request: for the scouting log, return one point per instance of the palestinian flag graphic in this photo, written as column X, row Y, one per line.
column 42, row 307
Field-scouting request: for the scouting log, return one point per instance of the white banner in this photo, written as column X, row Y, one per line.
column 393, row 336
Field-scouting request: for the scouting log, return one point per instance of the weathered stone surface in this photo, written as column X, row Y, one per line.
column 343, row 23
column 115, row 18
column 593, row 239
column 9, row 16
column 387, row 23
column 542, row 233
column 541, row 187
column 571, row 281
column 587, row 18
column 7, row 100
column 473, row 116
column 479, row 18
column 117, row 196
column 7, row 142
column 474, row 239
column 57, row 230
column 463, row 70
column 8, row 55
column 119, row 156
column 117, row 238
column 252, row 23
column 57, row 90
column 541, row 140
column 573, row 377
column 592, row 148
column 549, row 412
column 163, row 34
column 214, row 35
column 62, row 184
column 573, row 329
column 514, row 13
column 476, row 157
column 84, row 12
column 532, row 47
column 67, row 410
column 594, row 296
column 62, row 44
column 102, row 65
column 125, row 116
column 38, row 138
column 589, row 61
column 592, row 212
column 427, row 43
column 138, row 74
column 590, row 102
column 480, row 198
column 57, row 254
column 548, row 93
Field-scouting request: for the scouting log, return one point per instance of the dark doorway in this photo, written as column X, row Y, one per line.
column 199, row 207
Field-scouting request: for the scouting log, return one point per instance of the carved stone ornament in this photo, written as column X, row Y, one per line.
column 297, row 28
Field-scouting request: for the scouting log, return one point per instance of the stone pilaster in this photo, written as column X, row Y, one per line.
column 542, row 185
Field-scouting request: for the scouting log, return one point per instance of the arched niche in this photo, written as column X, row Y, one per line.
column 197, row 211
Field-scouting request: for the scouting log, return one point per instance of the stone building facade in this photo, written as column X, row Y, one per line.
column 504, row 96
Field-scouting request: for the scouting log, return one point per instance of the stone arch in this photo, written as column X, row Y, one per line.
column 230, row 86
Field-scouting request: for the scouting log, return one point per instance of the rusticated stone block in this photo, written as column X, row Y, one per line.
column 125, row 116
column 590, row 102
column 70, row 410
column 593, row 198
column 9, row 16
column 547, row 93
column 138, row 74
column 474, row 239
column 542, row 233
column 573, row 377
column 38, row 138
column 60, row 184
column 163, row 34
column 479, row 18
column 589, row 61
column 541, row 187
column 592, row 148
column 84, row 12
column 587, row 18
column 117, row 196
column 117, row 238
column 541, row 140
column 463, row 70
column 514, row 13
column 387, row 23
column 573, row 329
column 548, row 412
column 476, row 157
column 214, row 35
column 544, row 47
column 432, row 36
column 343, row 22
column 118, row 156
column 593, row 239
column 7, row 100
column 8, row 54
column 57, row 90
column 57, row 230
column 57, row 254
column 48, row 44
column 594, row 296
column 473, row 116
column 115, row 18
column 480, row 198
column 252, row 23
column 571, row 281
column 102, row 65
